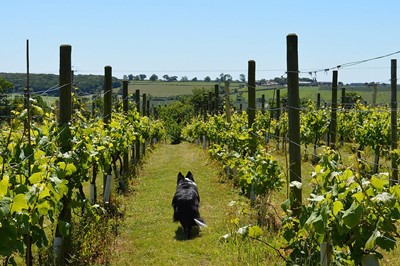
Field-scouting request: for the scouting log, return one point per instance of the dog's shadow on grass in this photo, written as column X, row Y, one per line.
column 180, row 235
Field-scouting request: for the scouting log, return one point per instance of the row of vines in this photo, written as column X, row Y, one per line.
column 352, row 209
column 36, row 174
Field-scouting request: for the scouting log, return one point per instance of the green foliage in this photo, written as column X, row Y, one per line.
column 175, row 117
column 4, row 85
column 34, row 179
column 355, row 215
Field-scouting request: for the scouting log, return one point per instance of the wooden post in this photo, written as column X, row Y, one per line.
column 216, row 94
column 107, row 94
column 263, row 104
column 252, row 102
column 125, row 106
column 393, row 118
column 63, row 244
column 144, row 111
column 137, row 142
column 334, row 109
column 148, row 108
column 205, row 107
column 318, row 100
column 107, row 178
column 210, row 102
column 227, row 102
column 294, row 124
column 278, row 115
column 144, row 104
column 137, row 100
column 27, row 129
column 344, row 104
column 374, row 94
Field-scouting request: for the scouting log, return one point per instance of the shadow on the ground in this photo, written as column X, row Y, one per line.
column 180, row 235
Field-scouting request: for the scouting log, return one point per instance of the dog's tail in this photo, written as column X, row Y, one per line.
column 200, row 222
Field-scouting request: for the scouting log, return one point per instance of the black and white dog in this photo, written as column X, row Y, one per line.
column 186, row 204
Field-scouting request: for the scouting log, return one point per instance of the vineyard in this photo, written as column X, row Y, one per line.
column 55, row 210
column 49, row 165
column 351, row 208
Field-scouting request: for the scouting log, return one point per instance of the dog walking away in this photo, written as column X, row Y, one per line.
column 186, row 204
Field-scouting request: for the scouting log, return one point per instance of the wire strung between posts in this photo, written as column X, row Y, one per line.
column 341, row 66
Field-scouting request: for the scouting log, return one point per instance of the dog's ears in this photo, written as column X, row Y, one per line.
column 189, row 175
column 180, row 177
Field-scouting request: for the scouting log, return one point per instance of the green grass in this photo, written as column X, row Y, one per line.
column 149, row 237
column 167, row 89
column 305, row 92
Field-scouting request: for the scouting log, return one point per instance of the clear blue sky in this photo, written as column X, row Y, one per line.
column 201, row 38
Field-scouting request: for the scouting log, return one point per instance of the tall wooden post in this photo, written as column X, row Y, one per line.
column 278, row 115
column 107, row 94
column 263, row 104
column 227, row 102
column 144, row 104
column 137, row 142
column 216, row 93
column 137, row 100
column 344, row 104
column 210, row 102
column 63, row 244
column 393, row 118
column 318, row 100
column 205, row 107
column 252, row 102
column 125, row 106
column 294, row 124
column 27, row 129
column 107, row 178
column 333, row 125
column 374, row 94
column 144, row 111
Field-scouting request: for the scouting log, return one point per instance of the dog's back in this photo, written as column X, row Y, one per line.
column 186, row 203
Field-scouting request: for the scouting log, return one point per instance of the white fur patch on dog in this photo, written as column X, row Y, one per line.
column 190, row 181
column 199, row 223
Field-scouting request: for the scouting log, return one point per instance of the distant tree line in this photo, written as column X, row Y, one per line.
column 47, row 84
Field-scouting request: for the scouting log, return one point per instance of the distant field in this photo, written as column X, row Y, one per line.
column 167, row 89
column 238, row 91
column 383, row 96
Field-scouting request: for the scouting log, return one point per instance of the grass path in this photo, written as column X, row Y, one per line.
column 149, row 237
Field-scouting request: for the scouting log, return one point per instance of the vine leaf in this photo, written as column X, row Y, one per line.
column 19, row 203
column 352, row 215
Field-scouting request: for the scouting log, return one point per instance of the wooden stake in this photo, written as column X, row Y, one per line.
column 333, row 126
column 393, row 119
column 252, row 103
column 294, row 124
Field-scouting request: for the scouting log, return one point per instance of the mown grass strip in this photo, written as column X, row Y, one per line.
column 148, row 235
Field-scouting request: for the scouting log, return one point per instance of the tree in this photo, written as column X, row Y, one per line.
column 4, row 84
column 125, row 77
column 194, row 79
column 242, row 78
column 153, row 77
column 130, row 77
column 142, row 76
column 227, row 77
column 207, row 79
column 184, row 79
column 173, row 78
column 166, row 77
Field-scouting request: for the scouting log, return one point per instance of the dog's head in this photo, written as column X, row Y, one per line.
column 188, row 179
